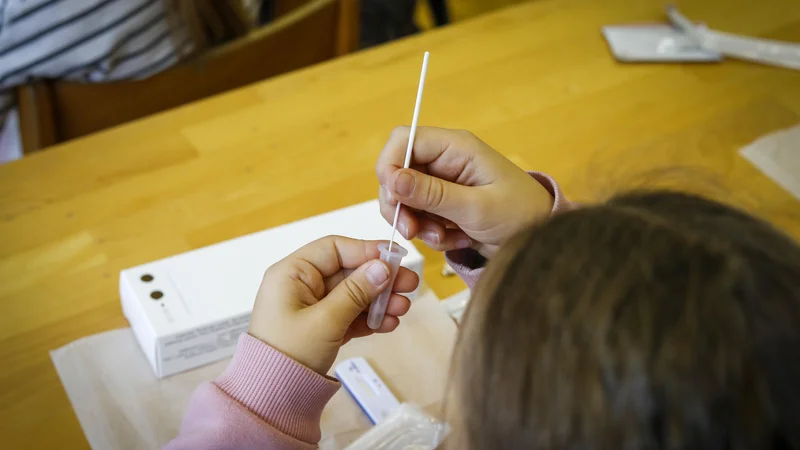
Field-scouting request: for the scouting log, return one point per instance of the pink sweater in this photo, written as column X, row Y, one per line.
column 267, row 400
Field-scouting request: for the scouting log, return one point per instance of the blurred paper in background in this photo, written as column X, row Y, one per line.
column 778, row 156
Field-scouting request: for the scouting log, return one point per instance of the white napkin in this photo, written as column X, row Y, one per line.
column 122, row 405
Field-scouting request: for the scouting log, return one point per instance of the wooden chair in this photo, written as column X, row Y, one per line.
column 55, row 111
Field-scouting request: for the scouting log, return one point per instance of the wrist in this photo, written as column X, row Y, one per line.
column 277, row 388
column 532, row 195
column 298, row 350
column 540, row 196
column 532, row 202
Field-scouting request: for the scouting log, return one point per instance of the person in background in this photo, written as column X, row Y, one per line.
column 96, row 41
column 385, row 20
column 653, row 320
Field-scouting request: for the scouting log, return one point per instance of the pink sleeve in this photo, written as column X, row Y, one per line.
column 263, row 400
column 468, row 264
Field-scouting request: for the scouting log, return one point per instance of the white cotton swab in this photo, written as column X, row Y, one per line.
column 411, row 136
column 392, row 258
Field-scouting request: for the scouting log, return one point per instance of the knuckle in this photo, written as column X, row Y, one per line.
column 387, row 212
column 394, row 145
column 434, row 247
column 443, row 246
column 383, row 167
column 379, row 170
column 398, row 133
column 278, row 268
column 306, row 273
column 326, row 241
column 318, row 243
column 266, row 275
column 434, row 194
column 302, row 272
column 356, row 293
column 466, row 134
column 384, row 195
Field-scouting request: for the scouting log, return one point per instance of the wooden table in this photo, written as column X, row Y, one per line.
column 535, row 81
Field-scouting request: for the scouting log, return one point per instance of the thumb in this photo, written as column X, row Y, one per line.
column 434, row 195
column 355, row 293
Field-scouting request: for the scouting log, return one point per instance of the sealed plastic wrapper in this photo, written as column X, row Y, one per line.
column 765, row 51
column 408, row 428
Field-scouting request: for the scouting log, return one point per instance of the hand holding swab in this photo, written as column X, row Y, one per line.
column 378, row 308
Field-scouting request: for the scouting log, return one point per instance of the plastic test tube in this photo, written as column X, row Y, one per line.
column 392, row 259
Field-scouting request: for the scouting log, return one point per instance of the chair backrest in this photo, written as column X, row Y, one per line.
column 282, row 7
column 55, row 111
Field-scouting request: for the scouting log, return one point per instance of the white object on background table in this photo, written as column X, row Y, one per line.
column 778, row 156
column 765, row 51
column 685, row 41
column 392, row 259
column 457, row 304
column 655, row 43
column 120, row 404
column 187, row 310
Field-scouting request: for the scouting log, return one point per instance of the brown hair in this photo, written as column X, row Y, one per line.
column 656, row 320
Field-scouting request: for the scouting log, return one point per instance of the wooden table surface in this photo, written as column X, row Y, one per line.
column 535, row 81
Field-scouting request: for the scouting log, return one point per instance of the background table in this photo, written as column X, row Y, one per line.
column 535, row 81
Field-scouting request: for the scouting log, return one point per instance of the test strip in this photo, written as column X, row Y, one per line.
column 366, row 387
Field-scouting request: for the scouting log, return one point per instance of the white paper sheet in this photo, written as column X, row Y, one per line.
column 778, row 156
column 121, row 405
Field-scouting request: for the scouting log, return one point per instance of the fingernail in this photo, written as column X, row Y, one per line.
column 385, row 194
column 464, row 243
column 404, row 184
column 377, row 274
column 429, row 236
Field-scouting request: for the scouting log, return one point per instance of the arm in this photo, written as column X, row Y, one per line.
column 468, row 263
column 263, row 400
column 275, row 388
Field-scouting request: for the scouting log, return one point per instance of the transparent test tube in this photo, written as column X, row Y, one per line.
column 392, row 259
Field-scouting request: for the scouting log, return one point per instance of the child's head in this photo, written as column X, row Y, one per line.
column 651, row 321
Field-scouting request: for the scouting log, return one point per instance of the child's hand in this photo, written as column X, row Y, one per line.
column 458, row 193
column 308, row 305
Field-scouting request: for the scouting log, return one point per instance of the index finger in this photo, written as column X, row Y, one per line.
column 429, row 144
column 331, row 254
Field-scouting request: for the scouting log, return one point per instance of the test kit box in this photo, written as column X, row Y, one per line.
column 189, row 310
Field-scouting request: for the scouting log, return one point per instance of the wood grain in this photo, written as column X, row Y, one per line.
column 535, row 81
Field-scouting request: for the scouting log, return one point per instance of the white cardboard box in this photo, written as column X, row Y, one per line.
column 196, row 304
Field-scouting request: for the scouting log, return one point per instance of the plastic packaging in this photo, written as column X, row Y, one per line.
column 765, row 51
column 392, row 259
column 407, row 429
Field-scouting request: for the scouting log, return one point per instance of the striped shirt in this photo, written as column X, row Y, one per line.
column 82, row 40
